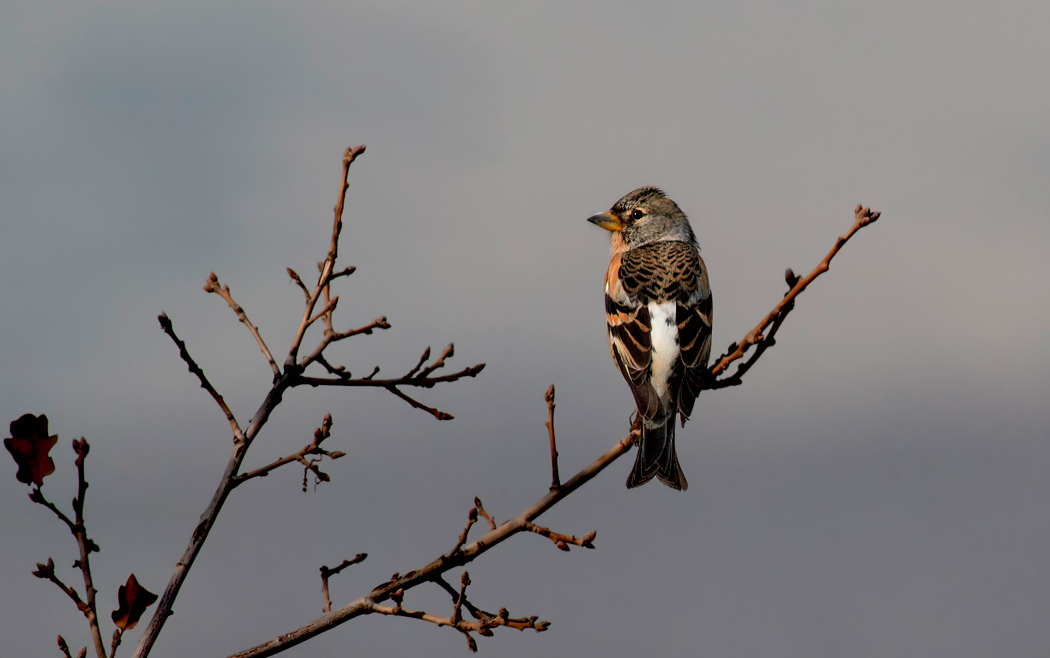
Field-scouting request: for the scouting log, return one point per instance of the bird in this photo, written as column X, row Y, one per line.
column 658, row 310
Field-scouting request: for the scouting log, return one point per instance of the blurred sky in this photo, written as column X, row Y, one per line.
column 877, row 487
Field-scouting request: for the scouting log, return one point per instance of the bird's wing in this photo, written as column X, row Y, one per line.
column 694, row 317
column 629, row 337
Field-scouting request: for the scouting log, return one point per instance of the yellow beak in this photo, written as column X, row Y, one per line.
column 607, row 221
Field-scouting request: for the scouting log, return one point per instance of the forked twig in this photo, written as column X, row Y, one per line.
column 165, row 324
column 212, row 285
column 327, row 573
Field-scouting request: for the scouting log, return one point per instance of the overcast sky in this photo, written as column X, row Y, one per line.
column 878, row 487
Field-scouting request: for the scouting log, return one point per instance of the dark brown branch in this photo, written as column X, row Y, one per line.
column 483, row 626
column 422, row 360
column 165, row 324
column 47, row 572
column 449, row 352
column 385, row 383
column 549, row 397
column 212, row 285
column 313, row 448
column 436, row 413
column 85, row 545
column 327, row 573
column 862, row 217
column 63, row 647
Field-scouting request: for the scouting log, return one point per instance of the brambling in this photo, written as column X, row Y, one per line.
column 658, row 308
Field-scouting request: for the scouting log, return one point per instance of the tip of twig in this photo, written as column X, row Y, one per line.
column 549, row 395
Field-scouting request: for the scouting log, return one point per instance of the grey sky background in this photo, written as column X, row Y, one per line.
column 877, row 487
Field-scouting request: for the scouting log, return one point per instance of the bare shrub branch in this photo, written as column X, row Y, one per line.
column 462, row 553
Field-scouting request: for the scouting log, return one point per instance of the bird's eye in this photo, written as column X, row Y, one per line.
column 637, row 214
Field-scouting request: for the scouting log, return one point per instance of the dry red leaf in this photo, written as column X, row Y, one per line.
column 132, row 601
column 29, row 445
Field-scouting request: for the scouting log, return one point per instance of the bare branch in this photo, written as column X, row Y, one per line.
column 463, row 553
column 422, row 360
column 299, row 282
column 436, row 413
column 386, row 383
column 324, row 279
column 332, row 337
column 449, row 352
column 472, row 518
column 165, row 324
column 484, row 514
column 84, row 543
column 212, row 285
column 444, row 563
column 326, row 311
column 327, row 573
column 562, row 541
column 118, row 633
column 313, row 448
column 549, row 397
column 344, row 272
column 47, row 572
column 63, row 647
column 483, row 626
column 862, row 217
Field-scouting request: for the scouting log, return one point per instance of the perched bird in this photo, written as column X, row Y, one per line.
column 658, row 308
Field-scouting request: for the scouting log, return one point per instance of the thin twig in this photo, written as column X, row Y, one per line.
column 212, row 285
column 313, row 448
column 47, row 572
column 384, row 383
column 485, row 515
column 549, row 397
column 333, row 337
column 86, row 545
column 165, row 324
column 436, row 413
column 449, row 352
column 422, row 360
column 472, row 518
column 299, row 282
column 560, row 540
column 118, row 634
column 327, row 573
column 63, row 647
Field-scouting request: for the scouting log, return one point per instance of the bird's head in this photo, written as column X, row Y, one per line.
column 644, row 216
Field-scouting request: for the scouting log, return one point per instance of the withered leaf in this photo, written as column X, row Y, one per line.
column 132, row 599
column 29, row 445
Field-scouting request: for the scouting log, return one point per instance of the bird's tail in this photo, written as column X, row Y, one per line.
column 657, row 458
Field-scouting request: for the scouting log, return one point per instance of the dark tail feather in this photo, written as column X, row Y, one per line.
column 657, row 458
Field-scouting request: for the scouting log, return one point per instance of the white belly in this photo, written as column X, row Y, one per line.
column 664, row 338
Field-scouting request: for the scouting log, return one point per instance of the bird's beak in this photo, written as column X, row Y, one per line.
column 607, row 221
